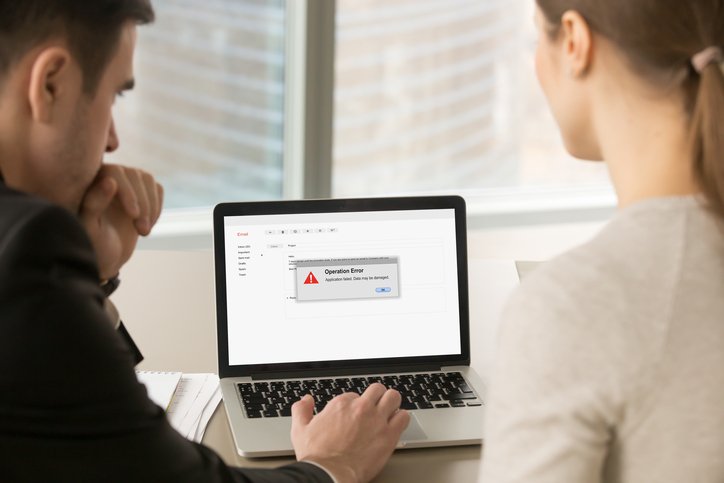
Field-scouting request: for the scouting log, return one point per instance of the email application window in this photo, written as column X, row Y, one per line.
column 341, row 286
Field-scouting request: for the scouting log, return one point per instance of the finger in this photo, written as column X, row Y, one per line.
column 390, row 402
column 143, row 221
column 399, row 421
column 152, row 194
column 374, row 392
column 302, row 412
column 98, row 197
column 160, row 197
column 126, row 193
column 154, row 197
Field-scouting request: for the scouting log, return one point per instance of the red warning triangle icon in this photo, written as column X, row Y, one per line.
column 311, row 279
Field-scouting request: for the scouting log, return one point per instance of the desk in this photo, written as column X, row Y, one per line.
column 167, row 302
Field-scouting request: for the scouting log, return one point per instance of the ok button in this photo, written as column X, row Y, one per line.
column 383, row 289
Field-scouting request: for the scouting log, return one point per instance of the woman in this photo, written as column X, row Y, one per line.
column 611, row 357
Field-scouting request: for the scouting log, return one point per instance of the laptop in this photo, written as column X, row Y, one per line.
column 330, row 296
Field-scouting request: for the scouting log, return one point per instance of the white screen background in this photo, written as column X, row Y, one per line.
column 267, row 325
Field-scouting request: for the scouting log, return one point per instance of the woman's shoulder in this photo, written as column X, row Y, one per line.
column 578, row 279
column 616, row 289
column 641, row 247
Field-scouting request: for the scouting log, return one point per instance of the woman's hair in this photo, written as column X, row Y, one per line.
column 660, row 38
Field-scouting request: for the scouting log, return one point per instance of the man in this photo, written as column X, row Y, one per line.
column 70, row 406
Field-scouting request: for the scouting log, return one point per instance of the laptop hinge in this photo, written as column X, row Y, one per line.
column 347, row 371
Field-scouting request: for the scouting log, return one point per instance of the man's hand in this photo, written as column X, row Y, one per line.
column 121, row 204
column 354, row 436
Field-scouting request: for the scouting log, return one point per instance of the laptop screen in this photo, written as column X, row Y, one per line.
column 341, row 286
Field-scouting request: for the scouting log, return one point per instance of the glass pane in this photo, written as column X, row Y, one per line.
column 207, row 114
column 441, row 95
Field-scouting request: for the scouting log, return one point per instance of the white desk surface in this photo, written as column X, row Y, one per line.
column 166, row 299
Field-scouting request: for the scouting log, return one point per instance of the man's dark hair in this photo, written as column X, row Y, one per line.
column 92, row 29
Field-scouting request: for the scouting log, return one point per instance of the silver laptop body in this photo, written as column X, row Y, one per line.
column 312, row 292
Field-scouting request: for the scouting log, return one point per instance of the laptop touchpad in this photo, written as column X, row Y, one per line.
column 413, row 432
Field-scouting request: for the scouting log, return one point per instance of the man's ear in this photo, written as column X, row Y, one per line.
column 577, row 43
column 50, row 78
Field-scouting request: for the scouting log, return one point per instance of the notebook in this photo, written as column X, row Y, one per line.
column 329, row 296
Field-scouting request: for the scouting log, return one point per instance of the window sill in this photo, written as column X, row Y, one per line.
column 191, row 229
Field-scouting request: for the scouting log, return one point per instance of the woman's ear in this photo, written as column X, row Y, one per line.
column 577, row 43
column 50, row 78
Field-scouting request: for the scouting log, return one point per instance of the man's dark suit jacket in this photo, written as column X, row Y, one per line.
column 71, row 408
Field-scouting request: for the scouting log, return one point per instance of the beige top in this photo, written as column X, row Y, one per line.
column 611, row 357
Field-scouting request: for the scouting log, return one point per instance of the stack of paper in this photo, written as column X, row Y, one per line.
column 193, row 399
column 160, row 386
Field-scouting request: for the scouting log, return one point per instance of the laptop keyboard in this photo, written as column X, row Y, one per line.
column 419, row 391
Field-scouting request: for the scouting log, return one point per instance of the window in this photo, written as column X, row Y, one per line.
column 437, row 95
column 424, row 96
column 207, row 117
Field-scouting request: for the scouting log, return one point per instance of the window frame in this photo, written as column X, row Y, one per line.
column 309, row 99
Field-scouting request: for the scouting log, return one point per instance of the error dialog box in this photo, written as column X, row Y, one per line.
column 348, row 278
